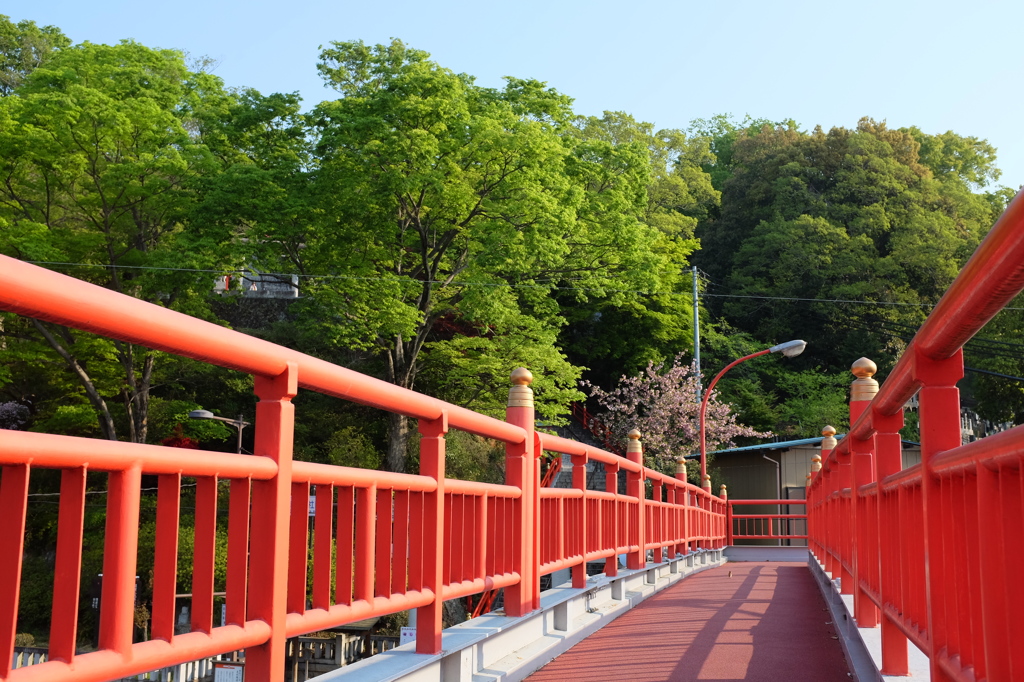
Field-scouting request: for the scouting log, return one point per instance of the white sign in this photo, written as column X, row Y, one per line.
column 228, row 672
column 407, row 636
column 312, row 505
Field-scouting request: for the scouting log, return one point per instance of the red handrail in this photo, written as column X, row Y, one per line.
column 381, row 542
column 928, row 552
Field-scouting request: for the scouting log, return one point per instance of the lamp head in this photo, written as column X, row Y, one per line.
column 200, row 414
column 790, row 349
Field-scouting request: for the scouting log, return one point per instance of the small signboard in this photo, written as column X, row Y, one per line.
column 407, row 636
column 312, row 505
column 228, row 671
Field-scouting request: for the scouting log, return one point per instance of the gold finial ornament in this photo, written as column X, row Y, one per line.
column 680, row 467
column 521, row 395
column 816, row 463
column 828, row 442
column 810, row 477
column 864, row 387
column 706, row 483
column 723, row 493
column 633, row 444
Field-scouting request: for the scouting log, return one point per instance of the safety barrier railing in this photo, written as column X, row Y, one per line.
column 930, row 552
column 766, row 526
column 381, row 542
column 678, row 517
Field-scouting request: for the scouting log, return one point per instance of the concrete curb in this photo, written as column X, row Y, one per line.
column 496, row 648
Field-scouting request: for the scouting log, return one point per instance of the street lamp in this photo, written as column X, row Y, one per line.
column 237, row 423
column 790, row 349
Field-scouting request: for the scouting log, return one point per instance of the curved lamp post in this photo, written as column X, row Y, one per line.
column 790, row 349
column 237, row 423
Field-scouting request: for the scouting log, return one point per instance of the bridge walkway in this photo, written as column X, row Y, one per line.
column 753, row 621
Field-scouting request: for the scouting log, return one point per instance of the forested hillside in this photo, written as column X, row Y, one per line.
column 436, row 234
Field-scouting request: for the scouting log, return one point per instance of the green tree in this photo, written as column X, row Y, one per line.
column 98, row 164
column 625, row 331
column 446, row 214
column 23, row 47
column 858, row 214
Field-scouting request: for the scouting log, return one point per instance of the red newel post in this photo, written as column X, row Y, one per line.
column 432, row 453
column 635, row 489
column 865, row 533
column 521, row 471
column 268, row 551
column 683, row 498
column 940, row 431
column 724, row 494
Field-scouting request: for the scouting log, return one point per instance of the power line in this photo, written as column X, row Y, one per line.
column 828, row 300
column 705, row 279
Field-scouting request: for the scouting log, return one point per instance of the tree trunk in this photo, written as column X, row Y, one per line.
column 136, row 390
column 402, row 372
column 107, row 427
column 398, row 442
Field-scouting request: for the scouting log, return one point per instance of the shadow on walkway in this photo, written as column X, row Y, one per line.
column 765, row 623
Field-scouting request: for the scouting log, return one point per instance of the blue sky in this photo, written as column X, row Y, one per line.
column 937, row 65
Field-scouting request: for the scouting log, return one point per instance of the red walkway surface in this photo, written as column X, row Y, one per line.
column 765, row 623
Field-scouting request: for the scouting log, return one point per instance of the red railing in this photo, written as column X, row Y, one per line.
column 766, row 526
column 381, row 542
column 929, row 552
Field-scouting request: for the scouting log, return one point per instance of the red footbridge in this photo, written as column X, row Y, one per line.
column 902, row 564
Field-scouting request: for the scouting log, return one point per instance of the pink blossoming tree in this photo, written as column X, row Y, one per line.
column 662, row 403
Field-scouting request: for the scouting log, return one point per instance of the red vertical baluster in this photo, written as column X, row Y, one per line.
column 1011, row 489
column 480, row 556
column 322, row 533
column 68, row 569
column 382, row 564
column 204, row 553
column 298, row 547
column 611, row 519
column 366, row 522
column 997, row 490
column 452, row 540
column 121, row 542
column 492, row 547
column 238, row 551
column 13, row 509
column 400, row 561
column 345, row 542
column 889, row 461
column 579, row 482
column 975, row 552
column 165, row 560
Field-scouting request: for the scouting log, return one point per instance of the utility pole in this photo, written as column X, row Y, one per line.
column 696, row 335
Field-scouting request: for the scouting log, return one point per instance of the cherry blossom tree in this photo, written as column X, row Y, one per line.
column 662, row 403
